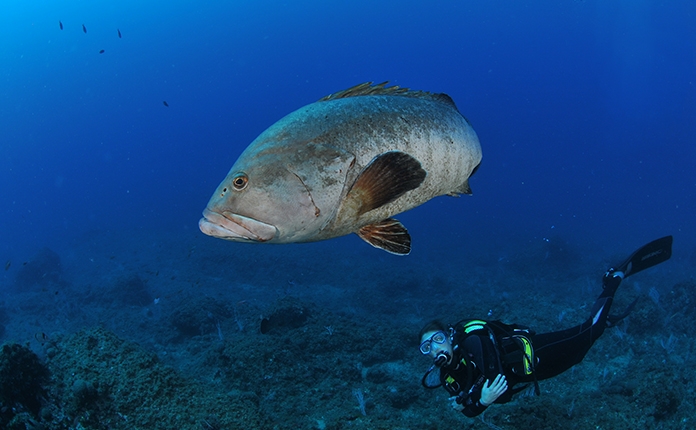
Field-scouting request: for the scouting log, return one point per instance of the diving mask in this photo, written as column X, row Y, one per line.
column 438, row 337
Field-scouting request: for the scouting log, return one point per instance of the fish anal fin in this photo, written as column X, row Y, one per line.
column 389, row 235
column 385, row 179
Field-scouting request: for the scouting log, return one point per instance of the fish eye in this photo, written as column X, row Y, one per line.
column 240, row 181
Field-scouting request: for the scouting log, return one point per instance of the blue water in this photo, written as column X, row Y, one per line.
column 586, row 110
column 586, row 113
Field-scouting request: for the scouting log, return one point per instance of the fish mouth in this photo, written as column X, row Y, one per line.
column 230, row 226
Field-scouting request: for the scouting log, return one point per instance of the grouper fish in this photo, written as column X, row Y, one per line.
column 346, row 164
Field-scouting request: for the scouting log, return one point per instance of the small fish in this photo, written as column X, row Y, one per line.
column 60, row 24
column 41, row 337
column 346, row 164
column 119, row 33
column 84, row 29
column 165, row 103
column 101, row 52
column 8, row 264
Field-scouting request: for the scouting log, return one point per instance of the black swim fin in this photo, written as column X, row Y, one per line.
column 612, row 320
column 648, row 256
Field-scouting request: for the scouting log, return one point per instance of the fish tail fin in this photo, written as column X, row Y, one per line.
column 465, row 188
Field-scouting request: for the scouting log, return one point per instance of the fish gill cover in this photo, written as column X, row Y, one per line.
column 119, row 119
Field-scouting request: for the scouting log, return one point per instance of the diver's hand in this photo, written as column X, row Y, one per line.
column 456, row 405
column 492, row 390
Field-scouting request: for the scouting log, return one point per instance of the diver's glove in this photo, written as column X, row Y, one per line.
column 492, row 390
column 457, row 402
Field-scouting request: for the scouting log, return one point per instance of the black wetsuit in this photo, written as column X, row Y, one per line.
column 484, row 349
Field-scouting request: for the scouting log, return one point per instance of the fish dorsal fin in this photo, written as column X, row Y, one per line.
column 389, row 235
column 388, row 176
column 367, row 89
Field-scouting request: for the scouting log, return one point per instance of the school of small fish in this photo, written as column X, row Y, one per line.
column 101, row 51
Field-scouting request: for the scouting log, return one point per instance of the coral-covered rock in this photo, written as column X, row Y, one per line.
column 22, row 376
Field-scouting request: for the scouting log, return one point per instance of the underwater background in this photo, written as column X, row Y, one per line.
column 119, row 119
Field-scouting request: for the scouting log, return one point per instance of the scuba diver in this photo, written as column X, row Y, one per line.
column 480, row 362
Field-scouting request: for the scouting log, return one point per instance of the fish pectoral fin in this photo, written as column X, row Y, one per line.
column 389, row 235
column 385, row 179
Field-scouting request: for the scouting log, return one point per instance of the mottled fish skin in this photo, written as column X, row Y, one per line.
column 299, row 178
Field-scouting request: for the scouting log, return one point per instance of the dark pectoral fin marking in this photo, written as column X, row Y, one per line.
column 389, row 235
column 385, row 179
